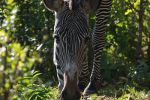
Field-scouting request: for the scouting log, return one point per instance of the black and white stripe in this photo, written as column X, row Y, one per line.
column 70, row 46
column 98, row 38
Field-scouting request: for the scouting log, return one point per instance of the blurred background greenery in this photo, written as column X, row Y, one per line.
column 26, row 47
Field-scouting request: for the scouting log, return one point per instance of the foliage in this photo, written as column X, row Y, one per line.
column 121, row 54
column 29, row 23
column 32, row 88
column 18, row 81
column 122, row 92
column 26, row 46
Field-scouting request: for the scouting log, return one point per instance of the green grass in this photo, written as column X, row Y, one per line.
column 122, row 92
column 119, row 92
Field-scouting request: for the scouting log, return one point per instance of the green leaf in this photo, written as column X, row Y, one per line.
column 128, row 12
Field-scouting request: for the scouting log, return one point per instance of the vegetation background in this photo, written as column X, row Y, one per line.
column 26, row 47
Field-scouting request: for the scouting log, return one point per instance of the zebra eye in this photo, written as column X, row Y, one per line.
column 57, row 38
column 58, row 67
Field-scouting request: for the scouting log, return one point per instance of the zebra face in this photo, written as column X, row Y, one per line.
column 70, row 41
column 70, row 51
column 70, row 48
column 70, row 44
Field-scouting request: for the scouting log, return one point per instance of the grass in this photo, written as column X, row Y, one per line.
column 122, row 92
column 119, row 92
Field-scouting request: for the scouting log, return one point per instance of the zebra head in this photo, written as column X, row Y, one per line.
column 70, row 44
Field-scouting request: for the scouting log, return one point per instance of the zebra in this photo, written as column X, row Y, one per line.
column 71, row 38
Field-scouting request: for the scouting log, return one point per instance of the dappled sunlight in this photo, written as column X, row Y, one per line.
column 27, row 71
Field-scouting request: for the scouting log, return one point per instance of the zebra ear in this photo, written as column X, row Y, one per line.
column 53, row 5
column 71, row 4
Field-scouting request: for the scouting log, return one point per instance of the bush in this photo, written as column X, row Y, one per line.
column 17, row 79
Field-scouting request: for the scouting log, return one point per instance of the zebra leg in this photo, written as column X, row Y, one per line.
column 98, row 42
column 84, row 76
column 95, row 78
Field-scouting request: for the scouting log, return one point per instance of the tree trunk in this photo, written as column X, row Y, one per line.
column 6, row 92
column 148, row 53
column 139, row 45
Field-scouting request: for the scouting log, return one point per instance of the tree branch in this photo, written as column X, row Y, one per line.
column 132, row 6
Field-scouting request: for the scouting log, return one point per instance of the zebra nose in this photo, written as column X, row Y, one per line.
column 70, row 90
column 70, row 95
